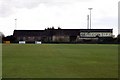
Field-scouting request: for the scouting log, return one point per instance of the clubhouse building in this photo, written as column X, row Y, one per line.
column 63, row 35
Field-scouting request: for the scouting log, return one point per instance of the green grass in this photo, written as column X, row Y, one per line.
column 60, row 61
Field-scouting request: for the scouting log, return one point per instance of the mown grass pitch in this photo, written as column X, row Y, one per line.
column 60, row 61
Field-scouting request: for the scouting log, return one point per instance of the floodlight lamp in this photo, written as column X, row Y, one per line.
column 90, row 8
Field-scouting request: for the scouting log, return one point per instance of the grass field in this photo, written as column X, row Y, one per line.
column 60, row 61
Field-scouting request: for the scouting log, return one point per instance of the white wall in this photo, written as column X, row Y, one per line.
column 94, row 34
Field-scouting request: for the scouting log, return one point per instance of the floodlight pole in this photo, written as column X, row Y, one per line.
column 15, row 23
column 90, row 16
column 87, row 21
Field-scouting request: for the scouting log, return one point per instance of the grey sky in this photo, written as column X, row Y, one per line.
column 7, row 7
column 40, row 14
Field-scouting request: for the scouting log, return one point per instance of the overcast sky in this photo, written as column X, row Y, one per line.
column 67, row 14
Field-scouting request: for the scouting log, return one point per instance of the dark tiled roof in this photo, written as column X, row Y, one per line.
column 70, row 32
column 30, row 33
column 51, row 32
column 96, row 30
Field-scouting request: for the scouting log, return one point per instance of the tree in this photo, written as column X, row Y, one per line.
column 118, row 38
column 1, row 37
column 10, row 38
